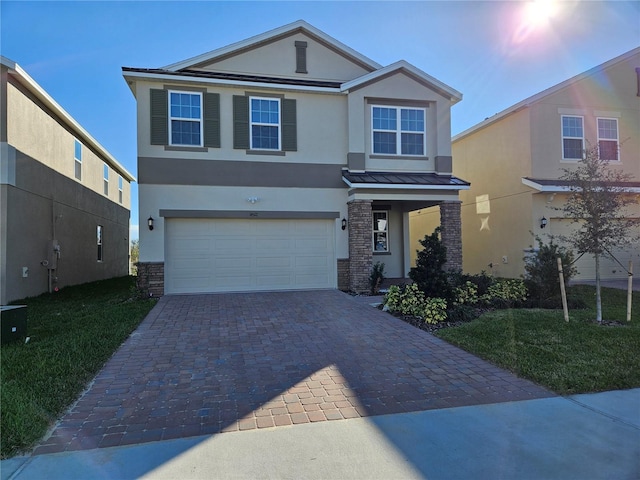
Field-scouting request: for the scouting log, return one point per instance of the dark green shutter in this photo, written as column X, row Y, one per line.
column 212, row 120
column 240, row 122
column 289, row 128
column 159, row 117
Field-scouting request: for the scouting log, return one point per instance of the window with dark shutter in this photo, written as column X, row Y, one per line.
column 212, row 120
column 240, row 122
column 159, row 117
column 289, row 125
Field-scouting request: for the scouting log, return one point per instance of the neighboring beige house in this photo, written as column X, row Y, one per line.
column 64, row 199
column 514, row 160
column 287, row 161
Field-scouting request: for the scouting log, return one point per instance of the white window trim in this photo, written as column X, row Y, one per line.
column 399, row 131
column 120, row 184
column 562, row 137
column 617, row 139
column 200, row 120
column 105, row 178
column 374, row 231
column 279, row 125
column 78, row 161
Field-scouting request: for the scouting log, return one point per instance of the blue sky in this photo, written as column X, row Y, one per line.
column 495, row 53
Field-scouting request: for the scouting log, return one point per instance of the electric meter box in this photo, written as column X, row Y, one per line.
column 13, row 323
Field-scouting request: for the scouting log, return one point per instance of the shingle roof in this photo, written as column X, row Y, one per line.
column 236, row 77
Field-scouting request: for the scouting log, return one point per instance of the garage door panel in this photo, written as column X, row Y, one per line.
column 279, row 262
column 224, row 255
column 232, row 243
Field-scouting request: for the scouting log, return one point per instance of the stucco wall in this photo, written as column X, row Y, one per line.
column 279, row 59
column 403, row 88
column 321, row 128
column 43, row 202
column 154, row 198
column 496, row 210
column 33, row 131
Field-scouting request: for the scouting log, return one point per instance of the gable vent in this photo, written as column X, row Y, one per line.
column 301, row 57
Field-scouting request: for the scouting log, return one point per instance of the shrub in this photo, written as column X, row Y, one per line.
column 462, row 313
column 428, row 273
column 392, row 298
column 505, row 293
column 466, row 294
column 411, row 301
column 376, row 277
column 541, row 271
column 434, row 310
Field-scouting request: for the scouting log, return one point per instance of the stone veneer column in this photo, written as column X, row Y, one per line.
column 451, row 234
column 360, row 248
column 150, row 279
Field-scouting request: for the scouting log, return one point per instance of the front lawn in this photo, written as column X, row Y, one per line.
column 568, row 358
column 72, row 334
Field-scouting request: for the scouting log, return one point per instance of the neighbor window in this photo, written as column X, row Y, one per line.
column 77, row 155
column 185, row 118
column 608, row 139
column 398, row 130
column 572, row 138
column 105, row 175
column 265, row 123
column 380, row 231
column 120, row 189
column 99, row 242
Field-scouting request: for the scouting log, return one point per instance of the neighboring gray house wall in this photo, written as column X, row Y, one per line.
column 49, row 199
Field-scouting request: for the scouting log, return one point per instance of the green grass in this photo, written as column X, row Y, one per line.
column 72, row 334
column 568, row 358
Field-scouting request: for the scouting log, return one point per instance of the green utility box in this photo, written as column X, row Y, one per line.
column 13, row 323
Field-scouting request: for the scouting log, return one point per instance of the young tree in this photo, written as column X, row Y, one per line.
column 597, row 204
column 428, row 273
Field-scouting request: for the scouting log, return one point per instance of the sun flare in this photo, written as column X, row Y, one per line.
column 539, row 12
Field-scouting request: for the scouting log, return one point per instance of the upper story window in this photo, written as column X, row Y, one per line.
column 398, row 130
column 572, row 137
column 120, row 188
column 380, row 229
column 608, row 139
column 77, row 155
column 265, row 123
column 185, row 118
column 105, row 176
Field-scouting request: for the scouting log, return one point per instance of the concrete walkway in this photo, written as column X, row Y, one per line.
column 591, row 437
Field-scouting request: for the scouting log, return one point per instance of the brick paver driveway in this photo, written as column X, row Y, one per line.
column 202, row 364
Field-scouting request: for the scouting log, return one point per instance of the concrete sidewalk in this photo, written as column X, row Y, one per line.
column 594, row 436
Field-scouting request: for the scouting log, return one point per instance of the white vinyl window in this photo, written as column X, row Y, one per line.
column 608, row 148
column 185, row 118
column 265, row 123
column 398, row 130
column 77, row 155
column 120, row 188
column 380, row 229
column 572, row 137
column 105, row 175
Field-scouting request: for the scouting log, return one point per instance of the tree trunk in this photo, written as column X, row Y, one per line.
column 598, row 296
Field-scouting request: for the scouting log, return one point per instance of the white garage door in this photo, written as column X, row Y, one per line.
column 231, row 255
column 609, row 268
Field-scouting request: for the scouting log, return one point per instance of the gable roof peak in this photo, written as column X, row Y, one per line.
column 271, row 35
column 403, row 65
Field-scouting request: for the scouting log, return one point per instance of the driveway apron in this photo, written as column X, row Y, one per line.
column 204, row 364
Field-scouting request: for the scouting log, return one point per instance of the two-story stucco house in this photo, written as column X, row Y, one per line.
column 515, row 158
column 288, row 161
column 64, row 199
